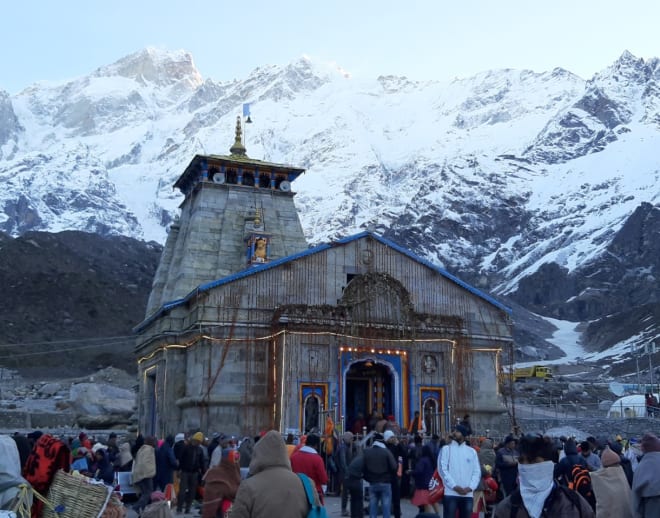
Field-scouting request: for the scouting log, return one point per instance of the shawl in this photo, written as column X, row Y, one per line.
column 612, row 492
column 646, row 483
column 221, row 482
column 48, row 456
column 10, row 472
column 125, row 455
column 145, row 463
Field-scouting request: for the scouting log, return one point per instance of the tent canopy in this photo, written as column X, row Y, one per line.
column 628, row 406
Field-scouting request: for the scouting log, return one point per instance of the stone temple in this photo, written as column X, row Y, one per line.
column 248, row 328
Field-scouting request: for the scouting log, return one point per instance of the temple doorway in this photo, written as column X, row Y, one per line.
column 312, row 414
column 369, row 393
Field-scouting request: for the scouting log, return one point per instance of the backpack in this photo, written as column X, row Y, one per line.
column 581, row 483
column 316, row 510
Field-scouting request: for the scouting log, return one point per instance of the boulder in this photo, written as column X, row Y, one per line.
column 575, row 387
column 103, row 422
column 99, row 399
column 49, row 389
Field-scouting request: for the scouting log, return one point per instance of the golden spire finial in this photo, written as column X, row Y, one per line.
column 238, row 148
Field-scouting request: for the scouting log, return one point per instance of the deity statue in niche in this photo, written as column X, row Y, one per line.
column 429, row 364
column 260, row 249
column 311, row 414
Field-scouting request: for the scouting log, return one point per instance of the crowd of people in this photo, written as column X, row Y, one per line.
column 256, row 477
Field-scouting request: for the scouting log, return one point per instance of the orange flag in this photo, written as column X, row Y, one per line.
column 329, row 429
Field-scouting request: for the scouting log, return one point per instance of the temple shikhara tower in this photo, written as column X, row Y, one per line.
column 247, row 328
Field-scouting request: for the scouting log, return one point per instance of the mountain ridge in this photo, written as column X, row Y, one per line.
column 495, row 177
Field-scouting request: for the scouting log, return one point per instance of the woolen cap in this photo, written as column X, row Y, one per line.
column 98, row 446
column 179, row 437
column 609, row 458
column 388, row 435
column 462, row 429
column 199, row 436
column 650, row 443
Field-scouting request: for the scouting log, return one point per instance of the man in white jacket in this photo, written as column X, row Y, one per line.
column 459, row 468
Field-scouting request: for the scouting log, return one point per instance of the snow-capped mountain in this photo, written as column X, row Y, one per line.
column 530, row 185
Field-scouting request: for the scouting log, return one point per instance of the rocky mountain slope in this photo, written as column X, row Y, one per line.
column 70, row 301
column 542, row 188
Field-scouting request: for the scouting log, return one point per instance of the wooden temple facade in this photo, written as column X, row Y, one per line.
column 248, row 329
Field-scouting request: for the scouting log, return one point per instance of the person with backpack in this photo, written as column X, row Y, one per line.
column 571, row 457
column 308, row 461
column 538, row 495
column 272, row 489
column 580, row 482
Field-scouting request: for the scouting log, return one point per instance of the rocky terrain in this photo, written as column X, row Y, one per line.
column 70, row 301
column 103, row 400
column 69, row 304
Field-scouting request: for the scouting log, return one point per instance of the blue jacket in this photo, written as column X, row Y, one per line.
column 423, row 472
column 166, row 463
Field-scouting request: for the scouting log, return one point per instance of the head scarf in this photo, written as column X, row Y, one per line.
column 536, row 483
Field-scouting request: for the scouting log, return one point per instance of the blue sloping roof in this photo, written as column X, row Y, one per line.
column 253, row 270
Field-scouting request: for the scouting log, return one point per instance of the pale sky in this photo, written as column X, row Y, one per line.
column 420, row 39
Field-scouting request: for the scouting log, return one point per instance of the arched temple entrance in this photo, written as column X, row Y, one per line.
column 312, row 413
column 370, row 389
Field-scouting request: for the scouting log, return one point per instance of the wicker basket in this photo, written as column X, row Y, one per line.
column 77, row 497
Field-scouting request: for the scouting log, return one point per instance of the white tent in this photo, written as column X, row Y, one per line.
column 628, row 406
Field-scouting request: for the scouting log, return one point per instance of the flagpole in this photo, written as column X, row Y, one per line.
column 246, row 111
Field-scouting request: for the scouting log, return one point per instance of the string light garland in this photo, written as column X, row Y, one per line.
column 283, row 332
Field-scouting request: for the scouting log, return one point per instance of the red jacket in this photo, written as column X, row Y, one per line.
column 307, row 461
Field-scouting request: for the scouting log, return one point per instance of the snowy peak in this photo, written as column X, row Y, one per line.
column 9, row 126
column 157, row 67
column 612, row 103
column 277, row 82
